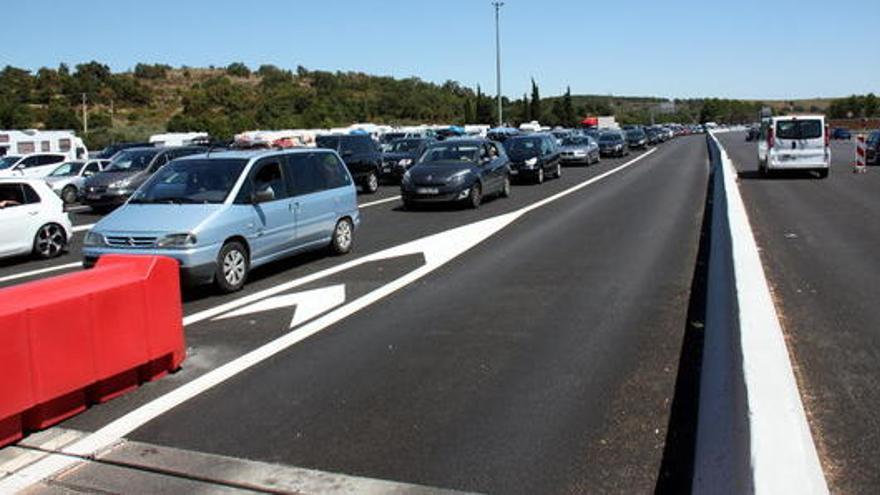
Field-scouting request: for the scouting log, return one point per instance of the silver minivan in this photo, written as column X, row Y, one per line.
column 222, row 214
column 794, row 142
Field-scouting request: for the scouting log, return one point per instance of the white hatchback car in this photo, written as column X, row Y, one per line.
column 33, row 165
column 32, row 219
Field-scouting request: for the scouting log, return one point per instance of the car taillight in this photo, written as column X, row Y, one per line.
column 771, row 140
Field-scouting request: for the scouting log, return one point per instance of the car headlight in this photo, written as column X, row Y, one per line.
column 177, row 241
column 120, row 184
column 531, row 162
column 405, row 162
column 619, row 147
column 94, row 239
column 458, row 178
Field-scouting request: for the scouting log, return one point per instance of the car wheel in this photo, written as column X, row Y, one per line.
column 68, row 194
column 232, row 267
column 371, row 185
column 539, row 178
column 505, row 188
column 475, row 197
column 50, row 241
column 343, row 237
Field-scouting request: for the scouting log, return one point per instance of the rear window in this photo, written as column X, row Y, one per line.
column 799, row 129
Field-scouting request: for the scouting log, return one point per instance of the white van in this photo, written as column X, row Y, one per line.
column 798, row 142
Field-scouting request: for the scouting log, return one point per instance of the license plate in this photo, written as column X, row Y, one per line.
column 386, row 169
column 427, row 190
column 514, row 172
column 94, row 196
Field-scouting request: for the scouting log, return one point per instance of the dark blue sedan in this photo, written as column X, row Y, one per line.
column 457, row 171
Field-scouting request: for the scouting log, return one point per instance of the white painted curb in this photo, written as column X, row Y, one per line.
column 752, row 432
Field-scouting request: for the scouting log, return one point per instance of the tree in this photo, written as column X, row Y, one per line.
column 469, row 111
column 485, row 109
column 151, row 71
column 59, row 116
column 526, row 111
column 569, row 116
column 238, row 69
column 535, row 107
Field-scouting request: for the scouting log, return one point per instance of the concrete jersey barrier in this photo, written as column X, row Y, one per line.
column 752, row 432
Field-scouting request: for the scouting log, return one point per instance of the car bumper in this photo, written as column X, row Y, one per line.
column 105, row 199
column 797, row 165
column 576, row 159
column 443, row 195
column 197, row 266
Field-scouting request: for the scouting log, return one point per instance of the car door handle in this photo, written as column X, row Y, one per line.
column 33, row 213
column 294, row 207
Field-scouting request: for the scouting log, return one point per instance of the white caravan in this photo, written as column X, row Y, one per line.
column 30, row 141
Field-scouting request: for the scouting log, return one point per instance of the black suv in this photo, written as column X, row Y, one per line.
column 360, row 154
column 400, row 155
column 534, row 156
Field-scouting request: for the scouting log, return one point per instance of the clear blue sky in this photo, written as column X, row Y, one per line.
column 689, row 48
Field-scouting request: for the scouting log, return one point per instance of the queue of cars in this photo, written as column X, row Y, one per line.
column 222, row 212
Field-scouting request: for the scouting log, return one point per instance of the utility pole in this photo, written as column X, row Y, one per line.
column 85, row 110
column 498, row 6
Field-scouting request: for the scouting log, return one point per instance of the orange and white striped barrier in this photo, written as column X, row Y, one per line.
column 860, row 165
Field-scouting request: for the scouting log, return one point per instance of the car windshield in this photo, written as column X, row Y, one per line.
column 8, row 161
column 523, row 147
column 198, row 181
column 609, row 138
column 405, row 146
column 451, row 152
column 129, row 160
column 574, row 142
column 799, row 129
column 67, row 169
column 874, row 138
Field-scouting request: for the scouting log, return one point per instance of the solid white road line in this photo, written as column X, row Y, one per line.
column 82, row 228
column 40, row 271
column 438, row 249
column 379, row 202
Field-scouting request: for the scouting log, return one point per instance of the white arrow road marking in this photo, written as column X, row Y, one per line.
column 308, row 304
column 438, row 249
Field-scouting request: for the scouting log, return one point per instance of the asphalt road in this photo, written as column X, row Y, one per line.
column 542, row 360
column 819, row 241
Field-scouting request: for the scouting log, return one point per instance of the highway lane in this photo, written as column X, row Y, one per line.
column 384, row 226
column 560, row 411
column 819, row 241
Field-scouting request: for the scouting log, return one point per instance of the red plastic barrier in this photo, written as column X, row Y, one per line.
column 86, row 337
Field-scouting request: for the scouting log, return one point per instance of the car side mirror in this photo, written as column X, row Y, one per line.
column 263, row 196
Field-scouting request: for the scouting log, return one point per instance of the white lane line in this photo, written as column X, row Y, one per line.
column 82, row 228
column 40, row 271
column 438, row 249
column 379, row 202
